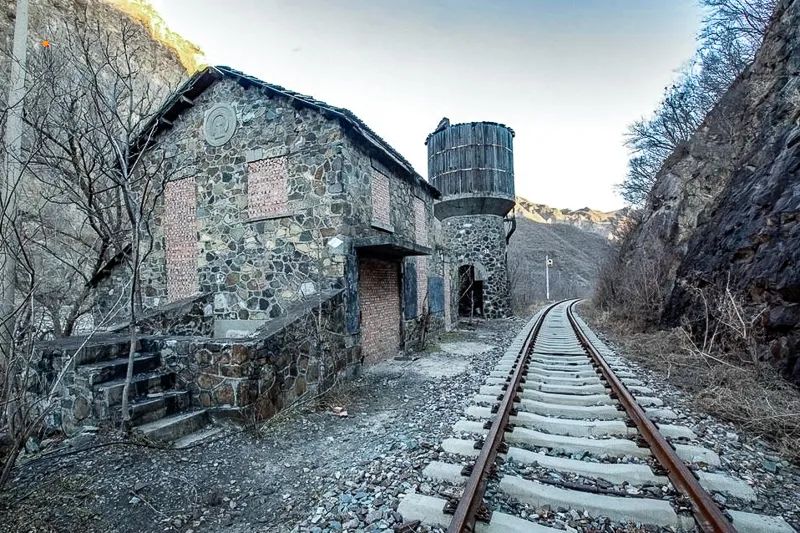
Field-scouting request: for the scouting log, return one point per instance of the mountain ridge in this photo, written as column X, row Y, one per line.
column 577, row 241
column 604, row 223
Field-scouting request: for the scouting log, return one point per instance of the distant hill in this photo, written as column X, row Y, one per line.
column 604, row 223
column 577, row 245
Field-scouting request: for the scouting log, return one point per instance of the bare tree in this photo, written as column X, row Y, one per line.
column 26, row 395
column 98, row 166
column 87, row 189
column 728, row 41
column 652, row 140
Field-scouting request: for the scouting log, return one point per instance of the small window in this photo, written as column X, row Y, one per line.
column 267, row 189
column 420, row 222
column 381, row 202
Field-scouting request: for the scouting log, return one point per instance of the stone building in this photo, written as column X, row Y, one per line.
column 472, row 165
column 291, row 244
column 274, row 197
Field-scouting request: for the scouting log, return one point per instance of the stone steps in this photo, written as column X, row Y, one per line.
column 172, row 428
column 141, row 385
column 158, row 409
column 97, row 373
column 158, row 405
column 113, row 349
column 198, row 436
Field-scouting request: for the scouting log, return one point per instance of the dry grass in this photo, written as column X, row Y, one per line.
column 757, row 400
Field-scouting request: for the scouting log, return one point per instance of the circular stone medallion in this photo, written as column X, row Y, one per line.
column 219, row 124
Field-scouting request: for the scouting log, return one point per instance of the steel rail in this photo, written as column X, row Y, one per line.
column 471, row 502
column 707, row 513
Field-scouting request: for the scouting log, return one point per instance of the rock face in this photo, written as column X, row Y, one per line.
column 725, row 209
column 168, row 55
column 604, row 223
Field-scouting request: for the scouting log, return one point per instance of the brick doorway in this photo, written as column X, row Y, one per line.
column 379, row 300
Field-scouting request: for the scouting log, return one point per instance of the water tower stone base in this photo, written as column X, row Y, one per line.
column 477, row 246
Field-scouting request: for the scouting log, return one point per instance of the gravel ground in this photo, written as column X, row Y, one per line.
column 311, row 471
column 775, row 480
column 316, row 472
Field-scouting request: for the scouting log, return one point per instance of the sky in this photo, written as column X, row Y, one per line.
column 567, row 75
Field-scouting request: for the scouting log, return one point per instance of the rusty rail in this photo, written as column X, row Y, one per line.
column 708, row 515
column 471, row 505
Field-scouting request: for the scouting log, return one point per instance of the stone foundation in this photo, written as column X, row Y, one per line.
column 301, row 352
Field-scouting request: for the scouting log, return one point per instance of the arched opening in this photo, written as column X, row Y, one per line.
column 470, row 294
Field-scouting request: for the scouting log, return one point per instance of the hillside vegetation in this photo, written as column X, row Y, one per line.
column 576, row 254
column 721, row 224
column 713, row 260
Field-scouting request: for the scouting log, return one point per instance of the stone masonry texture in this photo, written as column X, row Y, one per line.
column 479, row 240
column 256, row 268
column 289, row 208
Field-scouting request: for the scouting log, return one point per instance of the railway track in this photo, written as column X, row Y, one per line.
column 561, row 423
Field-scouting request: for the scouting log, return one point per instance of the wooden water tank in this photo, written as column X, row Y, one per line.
column 472, row 165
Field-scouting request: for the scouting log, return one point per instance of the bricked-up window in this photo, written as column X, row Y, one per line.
column 422, row 284
column 267, row 190
column 380, row 200
column 420, row 222
column 180, row 238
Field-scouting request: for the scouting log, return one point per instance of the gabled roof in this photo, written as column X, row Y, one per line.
column 184, row 97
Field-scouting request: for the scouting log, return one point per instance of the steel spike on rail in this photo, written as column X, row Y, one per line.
column 708, row 515
column 471, row 505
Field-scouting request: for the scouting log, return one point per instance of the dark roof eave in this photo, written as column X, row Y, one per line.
column 389, row 246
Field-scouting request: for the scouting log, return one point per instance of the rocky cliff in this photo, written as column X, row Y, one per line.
column 68, row 41
column 603, row 223
column 725, row 210
column 170, row 55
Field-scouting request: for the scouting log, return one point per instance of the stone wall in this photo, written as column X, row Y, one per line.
column 285, row 207
column 410, row 224
column 301, row 352
column 304, row 351
column 401, row 224
column 255, row 258
column 480, row 241
column 191, row 316
column 259, row 253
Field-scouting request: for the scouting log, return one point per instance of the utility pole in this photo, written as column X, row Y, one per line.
column 547, row 263
column 12, row 175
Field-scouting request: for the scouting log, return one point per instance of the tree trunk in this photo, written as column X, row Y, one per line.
column 133, row 307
